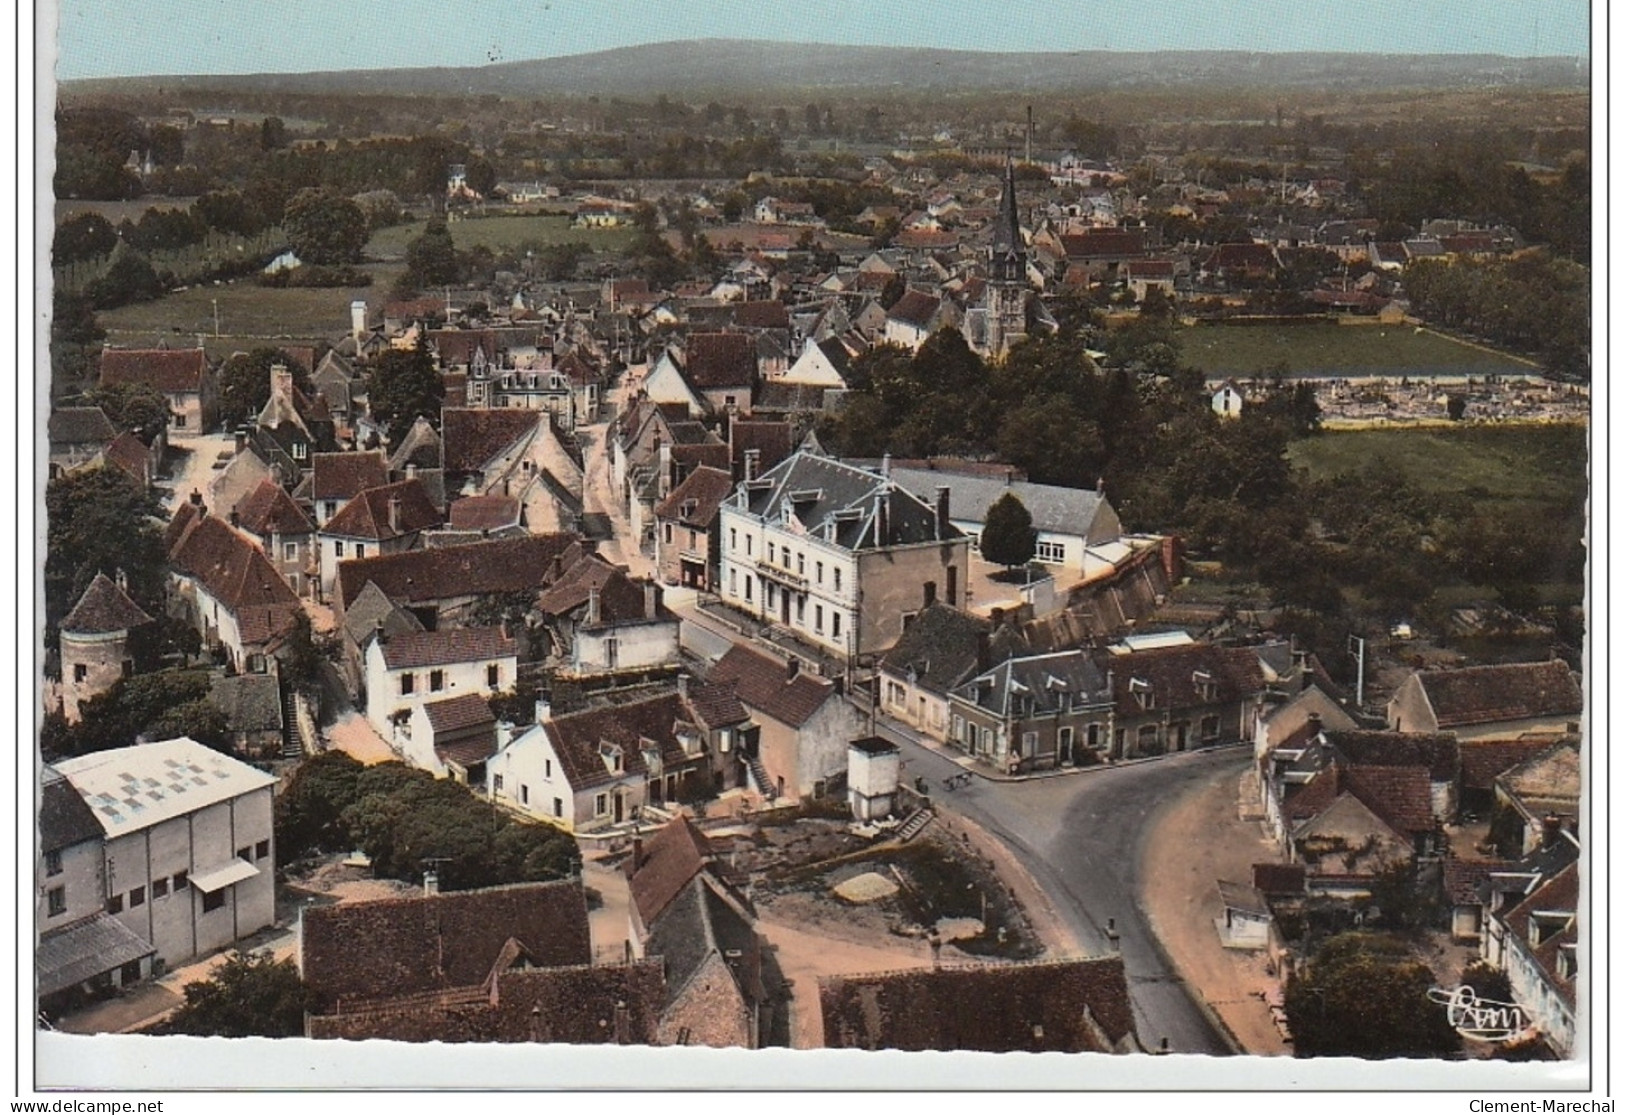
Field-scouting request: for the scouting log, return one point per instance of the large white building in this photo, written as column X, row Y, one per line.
column 187, row 851
column 836, row 554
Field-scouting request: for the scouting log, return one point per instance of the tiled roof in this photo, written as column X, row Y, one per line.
column 1399, row 795
column 64, row 818
column 764, row 684
column 484, row 512
column 339, row 476
column 417, row 649
column 1549, row 782
column 1463, row 877
column 669, row 859
column 367, row 515
column 575, row 1005
column 457, row 346
column 718, row 360
column 1437, row 752
column 234, row 570
column 1279, row 878
column 1245, row 256
column 251, row 702
column 762, row 314
column 1482, row 763
column 1103, row 244
column 1172, row 674
column 1043, row 1007
column 506, row 565
column 457, row 713
column 1485, row 694
column 915, row 308
column 173, row 371
column 82, row 951
column 940, row 647
column 715, row 706
column 269, row 510
column 578, row 736
column 420, row 447
column 103, row 609
column 773, row 442
column 620, row 599
column 128, row 453
column 473, row 437
column 371, row 608
column 79, row 426
column 397, row 946
column 706, row 488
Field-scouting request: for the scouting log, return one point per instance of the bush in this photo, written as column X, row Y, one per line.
column 316, row 276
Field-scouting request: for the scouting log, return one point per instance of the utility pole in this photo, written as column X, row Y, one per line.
column 215, row 302
column 1358, row 653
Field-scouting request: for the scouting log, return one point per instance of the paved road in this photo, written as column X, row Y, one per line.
column 1081, row 837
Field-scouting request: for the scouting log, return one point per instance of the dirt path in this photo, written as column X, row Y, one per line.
column 1199, row 840
column 352, row 734
column 609, row 923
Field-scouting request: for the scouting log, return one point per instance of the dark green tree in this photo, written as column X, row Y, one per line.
column 252, row 994
column 325, row 229
column 1008, row 537
column 245, row 383
column 128, row 278
column 273, row 133
column 302, row 656
column 101, row 521
column 160, row 705
column 431, row 259
column 82, row 236
column 481, row 176
column 133, row 406
column 1365, row 995
column 403, row 385
column 309, row 812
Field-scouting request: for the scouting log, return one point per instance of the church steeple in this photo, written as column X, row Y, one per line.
column 1009, row 253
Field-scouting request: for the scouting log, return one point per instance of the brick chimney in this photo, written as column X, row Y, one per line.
column 651, row 599
column 943, row 494
column 1314, row 724
column 394, row 514
column 282, row 383
column 984, row 652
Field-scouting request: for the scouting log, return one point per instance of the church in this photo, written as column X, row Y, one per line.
column 1008, row 306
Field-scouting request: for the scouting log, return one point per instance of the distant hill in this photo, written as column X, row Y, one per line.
column 740, row 65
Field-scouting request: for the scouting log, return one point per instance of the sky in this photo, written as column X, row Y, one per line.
column 112, row 38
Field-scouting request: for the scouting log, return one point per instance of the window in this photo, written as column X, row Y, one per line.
column 1050, row 553
column 115, row 904
column 837, row 578
column 1065, row 738
column 600, row 805
column 801, row 609
column 79, row 671
column 733, row 582
column 733, row 539
column 547, row 769
column 437, row 680
column 524, row 794
column 1029, row 743
column 53, row 863
column 160, row 887
column 330, row 508
column 693, row 540
column 747, row 545
column 768, row 593
column 338, row 548
column 56, row 902
column 558, row 807
column 801, row 565
column 360, row 550
column 179, row 880
column 262, row 849
column 290, row 551
column 127, row 667
column 1210, row 727
column 747, row 583
column 408, row 683
column 496, row 783
column 835, row 625
column 770, row 553
column 668, row 533
column 213, row 900
column 818, row 618
column 819, row 566
column 959, row 728
column 493, row 675
column 138, row 897
column 246, row 853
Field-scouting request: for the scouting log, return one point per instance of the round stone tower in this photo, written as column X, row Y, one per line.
column 95, row 642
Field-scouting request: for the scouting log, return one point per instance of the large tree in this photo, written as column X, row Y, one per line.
column 252, row 994
column 82, row 236
column 139, row 407
column 431, row 259
column 325, row 229
column 1366, row 995
column 1008, row 537
column 245, row 382
column 403, row 385
column 101, row 521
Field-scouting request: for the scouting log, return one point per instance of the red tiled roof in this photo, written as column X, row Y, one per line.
column 128, row 453
column 670, row 858
column 473, row 436
column 416, row 649
column 762, row 314
column 717, row 360
column 450, row 572
column 773, row 441
column 1560, row 893
column 456, row 713
column 103, row 609
column 925, row 239
column 1483, row 763
column 1485, row 694
column 80, row 426
column 578, row 736
column 484, row 512
column 620, row 599
column 1437, row 752
column 1399, row 795
column 764, row 684
column 173, row 371
column 1171, row 672
column 234, row 570
column 339, row 476
column 915, row 308
column 396, row 946
column 1247, row 257
column 457, row 346
column 707, row 488
column 368, row 514
column 1103, row 244
column 269, row 510
column 1463, row 876
column 715, row 706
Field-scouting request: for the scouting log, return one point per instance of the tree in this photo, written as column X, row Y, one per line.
column 273, row 133
column 128, row 278
column 252, row 994
column 402, row 386
column 323, row 228
column 162, row 705
column 1365, row 995
column 431, row 259
column 101, row 521
column 302, row 656
column 1008, row 537
column 308, row 813
column 481, row 176
column 245, row 383
column 139, row 407
column 82, row 236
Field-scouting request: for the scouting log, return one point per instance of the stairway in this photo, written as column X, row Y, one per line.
column 758, row 775
column 292, row 747
column 914, row 824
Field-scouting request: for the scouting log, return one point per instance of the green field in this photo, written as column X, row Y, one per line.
column 247, row 310
column 498, row 233
column 1544, row 466
column 1338, row 350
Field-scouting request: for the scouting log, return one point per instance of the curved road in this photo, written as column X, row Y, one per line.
column 1082, row 837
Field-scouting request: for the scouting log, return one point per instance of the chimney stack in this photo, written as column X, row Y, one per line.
column 395, row 514
column 943, row 494
column 885, row 466
column 431, row 883
column 594, row 607
column 753, row 461
column 651, row 599
column 682, row 685
column 233, row 517
column 504, row 733
column 411, row 471
column 1314, row 723
column 281, row 383
column 240, row 439
column 984, row 651
column 1551, row 828
column 196, row 498
column 1100, row 486
column 637, row 851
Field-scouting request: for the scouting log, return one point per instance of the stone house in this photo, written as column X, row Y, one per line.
column 94, row 643
column 226, row 586
column 940, row 648
column 412, row 669
column 1181, row 698
column 182, row 376
column 383, row 520
column 686, row 523
column 1035, row 712
column 1489, row 702
column 284, row 532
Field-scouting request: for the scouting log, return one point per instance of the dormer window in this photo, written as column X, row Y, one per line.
column 1546, row 924
column 613, row 756
column 1142, row 693
column 1206, row 686
column 299, row 450
column 1568, row 961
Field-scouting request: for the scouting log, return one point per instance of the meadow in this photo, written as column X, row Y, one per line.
column 1343, row 351
column 501, row 234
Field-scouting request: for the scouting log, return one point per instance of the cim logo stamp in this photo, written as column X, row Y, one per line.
column 1480, row 1019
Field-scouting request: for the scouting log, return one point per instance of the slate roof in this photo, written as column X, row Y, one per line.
column 103, row 609
column 845, row 497
column 670, row 858
column 79, row 426
column 490, row 512
column 940, row 647
column 1171, row 672
column 396, row 946
column 251, row 702
column 457, row 346
column 1054, row 509
column 234, row 570
column 1463, row 877
column 707, row 488
column 75, row 953
column 573, row 1005
column 269, row 510
column 1247, row 899
column 1485, row 694
column 1039, row 1007
column 420, row 447
column 370, row 608
column 64, row 818
column 577, row 738
column 1438, row 752
column 763, row 684
column 417, row 649
column 367, row 514
column 1560, row 893
column 714, row 705
column 447, row 572
column 1038, row 685
column 172, row 371
column 915, row 308
column 700, row 923
column 340, row 476
column 473, row 437
column 719, row 360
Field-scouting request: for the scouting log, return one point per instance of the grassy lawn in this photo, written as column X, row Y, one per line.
column 498, row 233
column 246, row 311
column 1508, row 464
column 1338, row 350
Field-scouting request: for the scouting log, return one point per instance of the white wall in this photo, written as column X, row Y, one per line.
column 384, row 696
column 638, row 645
